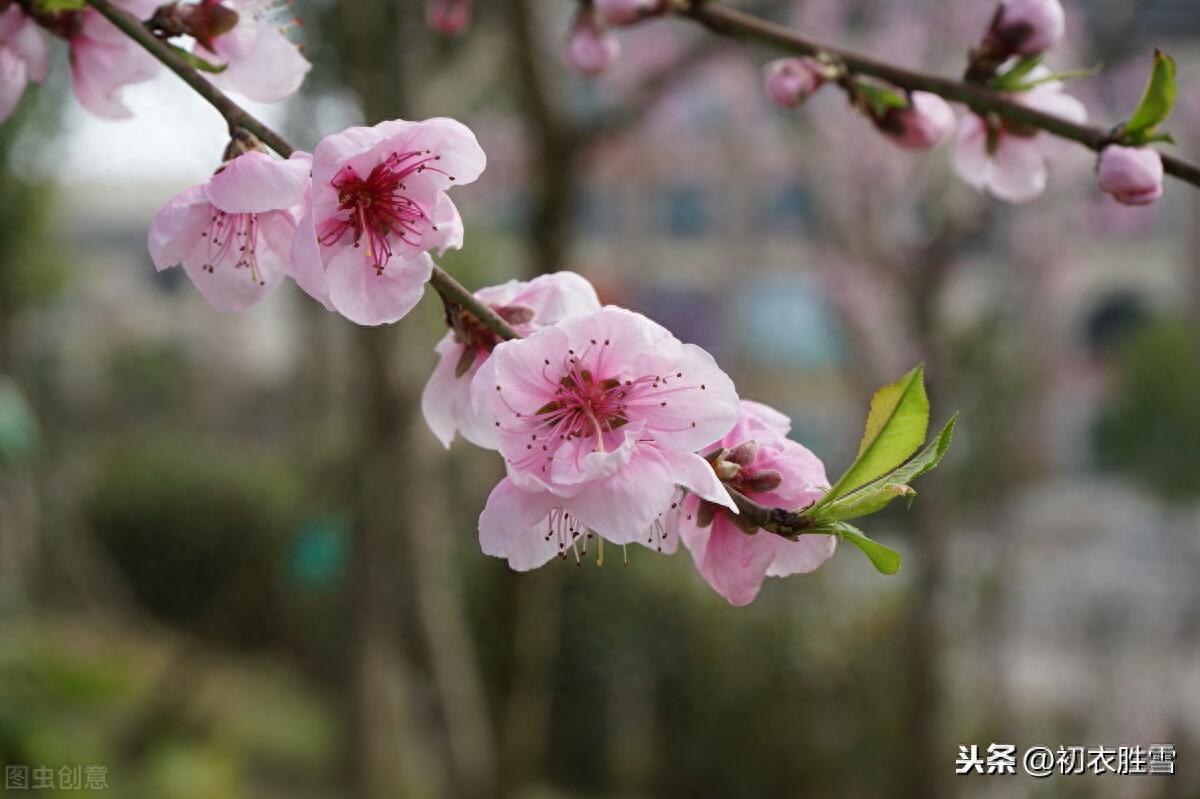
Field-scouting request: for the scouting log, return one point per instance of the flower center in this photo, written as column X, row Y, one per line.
column 377, row 208
column 232, row 238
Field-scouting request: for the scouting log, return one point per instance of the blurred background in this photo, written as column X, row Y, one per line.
column 234, row 563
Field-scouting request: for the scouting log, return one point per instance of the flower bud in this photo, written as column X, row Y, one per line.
column 1028, row 27
column 626, row 12
column 925, row 124
column 448, row 17
column 1132, row 175
column 591, row 47
column 791, row 81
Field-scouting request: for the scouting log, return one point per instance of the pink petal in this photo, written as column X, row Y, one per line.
column 510, row 526
column 555, row 297
column 802, row 556
column 735, row 563
column 266, row 67
column 234, row 289
column 461, row 156
column 367, row 297
column 23, row 36
column 177, row 226
column 306, row 267
column 446, row 403
column 103, row 62
column 622, row 507
column 970, row 155
column 1020, row 170
column 13, row 79
column 256, row 182
column 695, row 474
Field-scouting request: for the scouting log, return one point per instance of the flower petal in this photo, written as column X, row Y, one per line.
column 256, row 182
column 369, row 297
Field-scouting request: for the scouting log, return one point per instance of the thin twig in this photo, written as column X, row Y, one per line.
column 738, row 24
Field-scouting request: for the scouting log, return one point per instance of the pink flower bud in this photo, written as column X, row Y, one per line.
column 448, row 17
column 626, row 12
column 926, row 122
column 591, row 48
column 1029, row 27
column 1132, row 175
column 791, row 81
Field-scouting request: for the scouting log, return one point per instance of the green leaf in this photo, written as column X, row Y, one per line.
column 197, row 62
column 50, row 6
column 1156, row 103
column 881, row 99
column 1011, row 79
column 896, row 426
column 875, row 496
column 886, row 560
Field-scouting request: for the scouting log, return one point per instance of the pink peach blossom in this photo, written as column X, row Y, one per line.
column 448, row 17
column 233, row 234
column 527, row 306
column 1028, row 27
column 925, row 124
column 591, row 46
column 1011, row 162
column 598, row 419
column 243, row 36
column 23, row 57
column 791, row 81
column 1132, row 175
column 774, row 471
column 104, row 60
column 379, row 205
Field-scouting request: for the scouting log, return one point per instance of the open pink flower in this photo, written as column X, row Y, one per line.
column 23, row 57
column 233, row 235
column 598, row 419
column 545, row 300
column 774, row 471
column 379, row 204
column 1132, row 175
column 243, row 35
column 104, row 60
column 1011, row 161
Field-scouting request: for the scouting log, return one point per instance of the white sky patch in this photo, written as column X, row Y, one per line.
column 173, row 137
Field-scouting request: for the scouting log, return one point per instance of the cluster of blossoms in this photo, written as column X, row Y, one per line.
column 601, row 416
column 240, row 40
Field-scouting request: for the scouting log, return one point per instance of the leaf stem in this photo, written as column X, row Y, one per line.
column 730, row 22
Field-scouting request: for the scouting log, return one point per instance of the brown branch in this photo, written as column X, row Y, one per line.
column 737, row 24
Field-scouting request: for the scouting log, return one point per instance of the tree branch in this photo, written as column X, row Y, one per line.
column 730, row 22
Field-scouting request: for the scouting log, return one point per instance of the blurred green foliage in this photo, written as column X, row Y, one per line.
column 1150, row 429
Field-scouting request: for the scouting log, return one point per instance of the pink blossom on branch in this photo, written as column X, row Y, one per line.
column 242, row 35
column 774, row 471
column 104, row 60
column 791, row 81
column 23, row 57
column 233, row 234
column 1008, row 159
column 923, row 125
column 591, row 46
column 448, row 17
column 527, row 306
column 1027, row 27
column 379, row 205
column 598, row 419
column 1132, row 175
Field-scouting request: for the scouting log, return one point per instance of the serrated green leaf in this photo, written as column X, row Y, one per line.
column 197, row 62
column 885, row 559
column 896, row 426
column 875, row 496
column 1157, row 102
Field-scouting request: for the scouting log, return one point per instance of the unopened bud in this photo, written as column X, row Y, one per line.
column 627, row 12
column 591, row 46
column 1132, row 175
column 924, row 124
column 791, row 81
column 448, row 17
column 1028, row 27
